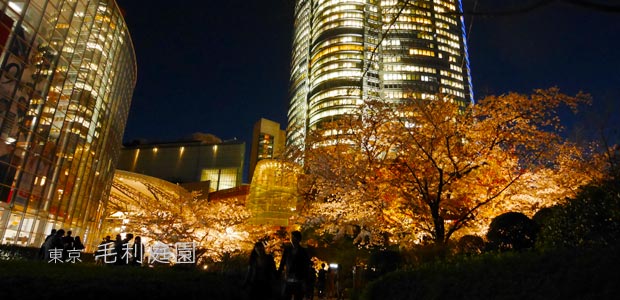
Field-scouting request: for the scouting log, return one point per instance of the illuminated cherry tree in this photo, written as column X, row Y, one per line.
column 160, row 211
column 428, row 169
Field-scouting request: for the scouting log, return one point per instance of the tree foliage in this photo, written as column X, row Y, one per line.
column 163, row 215
column 425, row 169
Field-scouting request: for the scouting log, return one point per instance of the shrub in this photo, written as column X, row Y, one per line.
column 512, row 230
column 470, row 244
column 592, row 219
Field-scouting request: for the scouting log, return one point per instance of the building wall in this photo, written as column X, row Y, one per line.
column 347, row 51
column 67, row 74
column 268, row 141
column 186, row 162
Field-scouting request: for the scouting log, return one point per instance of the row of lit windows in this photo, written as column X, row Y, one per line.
column 340, row 56
column 452, row 92
column 340, row 74
column 448, row 5
column 445, row 19
column 448, row 49
column 452, row 44
column 335, row 102
column 419, row 20
column 416, row 12
column 336, row 93
column 407, row 26
column 389, row 2
column 338, row 48
column 395, row 3
column 390, row 42
column 408, row 68
column 408, row 95
column 422, row 52
column 451, row 75
column 408, row 76
column 339, row 8
column 342, row 23
column 451, row 36
column 425, row 36
column 340, row 16
column 391, row 59
column 342, row 40
column 329, row 113
column 452, row 83
column 334, row 66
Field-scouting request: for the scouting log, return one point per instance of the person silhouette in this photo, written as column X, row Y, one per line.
column 322, row 281
column 77, row 243
column 261, row 273
column 138, row 251
column 67, row 244
column 46, row 245
column 295, row 263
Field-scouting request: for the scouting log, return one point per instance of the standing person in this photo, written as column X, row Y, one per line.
column 103, row 250
column 118, row 250
column 261, row 273
column 330, row 288
column 138, row 251
column 77, row 244
column 322, row 281
column 46, row 245
column 311, row 281
column 67, row 244
column 126, row 256
column 55, row 244
column 295, row 264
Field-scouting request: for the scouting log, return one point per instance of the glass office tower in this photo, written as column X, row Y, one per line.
column 67, row 74
column 346, row 51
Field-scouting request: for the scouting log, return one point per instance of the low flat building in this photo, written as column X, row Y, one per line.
column 201, row 159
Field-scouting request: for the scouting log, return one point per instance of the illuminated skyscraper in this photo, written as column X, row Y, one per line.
column 345, row 51
column 67, row 75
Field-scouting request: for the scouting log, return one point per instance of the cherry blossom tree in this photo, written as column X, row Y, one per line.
column 160, row 211
column 428, row 169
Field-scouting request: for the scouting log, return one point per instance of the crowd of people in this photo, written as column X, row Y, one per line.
column 120, row 251
column 59, row 242
column 59, row 245
column 294, row 279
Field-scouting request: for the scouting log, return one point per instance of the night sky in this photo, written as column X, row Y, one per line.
column 219, row 66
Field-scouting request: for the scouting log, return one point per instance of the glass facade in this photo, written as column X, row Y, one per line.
column 67, row 74
column 273, row 193
column 345, row 51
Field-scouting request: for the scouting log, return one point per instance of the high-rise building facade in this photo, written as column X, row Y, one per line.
column 267, row 142
column 346, row 51
column 67, row 75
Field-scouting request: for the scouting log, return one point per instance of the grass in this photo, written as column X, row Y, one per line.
column 32, row 279
column 562, row 274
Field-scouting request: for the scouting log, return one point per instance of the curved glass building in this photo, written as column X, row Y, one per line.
column 345, row 51
column 67, row 74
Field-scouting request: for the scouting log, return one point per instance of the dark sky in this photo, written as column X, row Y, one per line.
column 219, row 66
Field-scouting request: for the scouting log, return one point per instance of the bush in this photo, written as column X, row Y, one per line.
column 512, row 230
column 15, row 252
column 592, row 219
column 565, row 274
column 470, row 244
